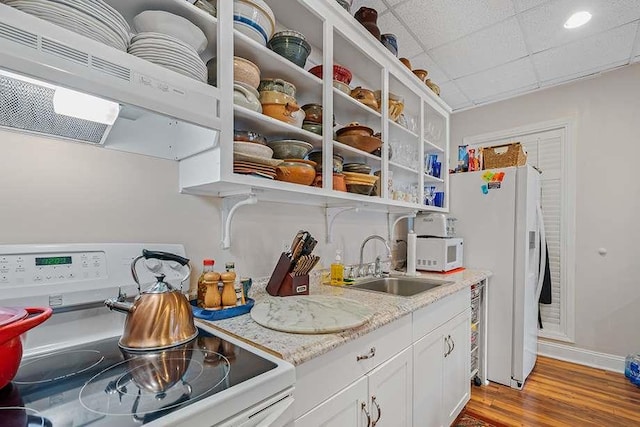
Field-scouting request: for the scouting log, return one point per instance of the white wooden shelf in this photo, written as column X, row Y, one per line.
column 271, row 128
column 354, row 155
column 347, row 109
column 397, row 129
column 431, row 178
column 403, row 168
column 430, row 146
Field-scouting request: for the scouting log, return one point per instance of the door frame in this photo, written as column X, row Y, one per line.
column 567, row 126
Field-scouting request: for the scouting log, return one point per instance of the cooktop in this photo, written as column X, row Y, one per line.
column 99, row 383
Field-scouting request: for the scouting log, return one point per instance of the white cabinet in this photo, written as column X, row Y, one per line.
column 382, row 398
column 347, row 408
column 441, row 365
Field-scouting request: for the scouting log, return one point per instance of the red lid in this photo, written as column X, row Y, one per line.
column 208, row 262
column 9, row 315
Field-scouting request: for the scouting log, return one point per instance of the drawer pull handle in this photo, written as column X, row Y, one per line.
column 373, row 400
column 364, row 409
column 371, row 354
column 449, row 349
column 453, row 344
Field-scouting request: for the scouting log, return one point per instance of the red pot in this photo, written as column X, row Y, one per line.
column 13, row 323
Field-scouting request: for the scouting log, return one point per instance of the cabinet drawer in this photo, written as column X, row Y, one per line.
column 430, row 317
column 322, row 377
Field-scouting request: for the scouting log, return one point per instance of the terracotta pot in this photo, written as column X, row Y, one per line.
column 296, row 172
column 366, row 96
column 422, row 74
column 275, row 97
column 368, row 17
column 354, row 129
column 339, row 183
column 406, row 62
column 288, row 113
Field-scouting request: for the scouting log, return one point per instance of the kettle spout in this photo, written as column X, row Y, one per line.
column 122, row 307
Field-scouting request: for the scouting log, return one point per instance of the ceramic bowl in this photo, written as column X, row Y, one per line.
column 316, row 156
column 354, row 129
column 396, row 104
column 277, row 85
column 340, row 73
column 342, row 87
column 390, row 42
column 422, row 74
column 339, row 183
column 244, row 71
column 365, row 96
column 360, row 178
column 252, row 149
column 312, row 127
column 288, row 113
column 158, row 21
column 368, row 144
column 313, row 113
column 246, row 96
column 275, row 97
column 434, row 87
column 364, row 189
column 296, row 172
column 290, row 45
column 406, row 62
column 249, row 136
column 357, row 167
column 289, row 149
column 255, row 19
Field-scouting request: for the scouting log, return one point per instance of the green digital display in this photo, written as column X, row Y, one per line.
column 54, row 260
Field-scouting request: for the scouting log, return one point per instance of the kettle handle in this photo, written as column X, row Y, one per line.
column 164, row 256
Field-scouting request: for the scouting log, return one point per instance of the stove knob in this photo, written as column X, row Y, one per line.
column 153, row 265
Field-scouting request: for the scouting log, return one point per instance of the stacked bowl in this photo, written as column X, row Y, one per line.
column 278, row 99
column 360, row 183
column 255, row 19
column 291, row 45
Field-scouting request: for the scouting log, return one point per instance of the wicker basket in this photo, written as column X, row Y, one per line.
column 502, row 156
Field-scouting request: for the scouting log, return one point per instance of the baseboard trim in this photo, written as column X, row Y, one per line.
column 581, row 356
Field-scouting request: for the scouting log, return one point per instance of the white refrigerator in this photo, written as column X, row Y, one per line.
column 499, row 216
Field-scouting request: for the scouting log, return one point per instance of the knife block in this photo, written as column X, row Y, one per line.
column 283, row 283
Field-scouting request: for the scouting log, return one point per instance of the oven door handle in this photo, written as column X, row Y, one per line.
column 278, row 409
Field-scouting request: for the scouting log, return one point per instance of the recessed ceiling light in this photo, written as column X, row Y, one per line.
column 578, row 19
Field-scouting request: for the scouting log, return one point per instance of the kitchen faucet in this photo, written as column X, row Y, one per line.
column 378, row 268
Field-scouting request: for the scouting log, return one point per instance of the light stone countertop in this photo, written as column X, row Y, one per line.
column 299, row 348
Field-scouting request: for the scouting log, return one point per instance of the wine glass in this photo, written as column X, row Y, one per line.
column 429, row 194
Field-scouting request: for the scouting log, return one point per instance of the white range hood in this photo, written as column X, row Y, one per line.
column 159, row 112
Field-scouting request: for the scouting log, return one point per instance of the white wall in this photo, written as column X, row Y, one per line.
column 56, row 191
column 607, row 109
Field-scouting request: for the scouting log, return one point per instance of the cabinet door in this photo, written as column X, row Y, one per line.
column 457, row 364
column 391, row 392
column 343, row 409
column 428, row 379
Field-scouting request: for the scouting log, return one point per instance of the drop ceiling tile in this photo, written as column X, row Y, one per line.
column 543, row 26
column 436, row 22
column 453, row 97
column 504, row 78
column 586, row 55
column 407, row 45
column 424, row 62
column 484, row 49
column 374, row 4
column 522, row 5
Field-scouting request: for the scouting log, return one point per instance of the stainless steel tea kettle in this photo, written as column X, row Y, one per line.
column 159, row 317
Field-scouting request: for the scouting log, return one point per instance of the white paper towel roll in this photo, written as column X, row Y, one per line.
column 412, row 240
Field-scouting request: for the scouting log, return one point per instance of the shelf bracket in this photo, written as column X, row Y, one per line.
column 330, row 215
column 394, row 219
column 229, row 206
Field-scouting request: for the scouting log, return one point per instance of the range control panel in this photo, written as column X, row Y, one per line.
column 26, row 269
column 72, row 274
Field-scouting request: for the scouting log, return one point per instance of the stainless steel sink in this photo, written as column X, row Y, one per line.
column 400, row 286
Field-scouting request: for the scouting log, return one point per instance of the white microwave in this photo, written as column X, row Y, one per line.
column 438, row 254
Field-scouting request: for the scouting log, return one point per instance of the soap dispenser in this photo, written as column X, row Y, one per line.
column 412, row 241
column 337, row 270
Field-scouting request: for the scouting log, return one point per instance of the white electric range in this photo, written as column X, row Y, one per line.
column 74, row 373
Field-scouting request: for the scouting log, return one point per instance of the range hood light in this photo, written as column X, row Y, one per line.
column 86, row 107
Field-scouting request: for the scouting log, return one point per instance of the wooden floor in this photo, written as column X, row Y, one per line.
column 559, row 394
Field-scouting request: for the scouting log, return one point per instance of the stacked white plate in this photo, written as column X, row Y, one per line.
column 169, row 52
column 94, row 19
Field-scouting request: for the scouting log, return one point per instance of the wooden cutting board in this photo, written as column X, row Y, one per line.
column 310, row 314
